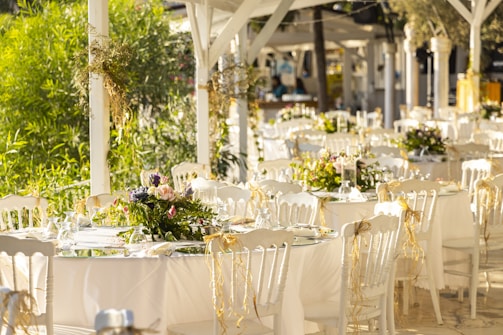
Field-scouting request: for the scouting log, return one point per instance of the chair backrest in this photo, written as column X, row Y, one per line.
column 338, row 142
column 103, row 200
column 273, row 187
column 421, row 199
column 403, row 125
column 145, row 176
column 473, row 170
column 310, row 135
column 496, row 141
column 338, row 113
column 237, row 281
column 237, row 200
column 272, row 169
column 285, row 128
column 18, row 212
column 26, row 269
column 399, row 166
column 185, row 172
column 297, row 208
column 303, row 150
column 488, row 209
column 369, row 250
column 385, row 150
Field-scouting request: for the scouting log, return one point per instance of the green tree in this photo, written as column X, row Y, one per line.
column 427, row 15
column 44, row 140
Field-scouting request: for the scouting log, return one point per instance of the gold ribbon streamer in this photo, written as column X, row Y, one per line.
column 25, row 306
column 219, row 304
column 356, row 289
column 411, row 218
column 484, row 206
column 323, row 206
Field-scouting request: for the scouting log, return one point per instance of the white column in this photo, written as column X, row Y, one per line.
column 347, row 74
column 411, row 70
column 475, row 46
column 242, row 103
column 203, row 130
column 99, row 113
column 371, row 68
column 441, row 48
column 389, row 84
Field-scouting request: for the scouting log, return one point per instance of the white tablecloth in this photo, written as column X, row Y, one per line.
column 452, row 219
column 166, row 290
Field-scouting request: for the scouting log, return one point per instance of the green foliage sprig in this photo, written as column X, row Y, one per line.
column 110, row 60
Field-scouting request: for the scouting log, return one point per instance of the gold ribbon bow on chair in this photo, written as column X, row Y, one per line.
column 411, row 217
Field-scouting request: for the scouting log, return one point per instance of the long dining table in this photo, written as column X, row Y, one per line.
column 164, row 290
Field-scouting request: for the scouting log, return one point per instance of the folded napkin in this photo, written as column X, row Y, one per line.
column 164, row 248
column 449, row 188
column 307, row 232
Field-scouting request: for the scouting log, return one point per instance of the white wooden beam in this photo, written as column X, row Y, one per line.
column 491, row 6
column 195, row 31
column 478, row 11
column 99, row 111
column 234, row 24
column 268, row 30
column 465, row 13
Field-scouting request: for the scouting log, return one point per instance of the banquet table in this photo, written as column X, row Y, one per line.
column 164, row 290
column 452, row 219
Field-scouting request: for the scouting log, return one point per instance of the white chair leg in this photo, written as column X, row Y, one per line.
column 474, row 283
column 435, row 298
column 405, row 298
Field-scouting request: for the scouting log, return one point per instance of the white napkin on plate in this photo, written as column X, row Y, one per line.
column 164, row 248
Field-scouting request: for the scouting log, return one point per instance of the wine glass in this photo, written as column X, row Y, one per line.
column 222, row 218
column 263, row 219
column 52, row 228
column 137, row 240
column 344, row 190
column 66, row 237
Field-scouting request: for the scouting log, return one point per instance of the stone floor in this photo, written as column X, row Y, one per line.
column 456, row 315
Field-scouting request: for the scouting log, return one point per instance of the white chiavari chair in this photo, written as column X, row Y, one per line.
column 184, row 172
column 19, row 212
column 297, row 208
column 473, row 170
column 369, row 251
column 259, row 285
column 419, row 199
column 237, row 200
column 272, row 169
column 25, row 257
column 483, row 249
column 403, row 125
column 340, row 142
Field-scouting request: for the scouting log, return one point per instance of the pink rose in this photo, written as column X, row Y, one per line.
column 166, row 192
column 171, row 212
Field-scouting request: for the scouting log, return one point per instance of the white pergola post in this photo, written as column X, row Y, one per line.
column 480, row 10
column 441, row 48
column 200, row 21
column 242, row 103
column 99, row 113
column 411, row 69
column 389, row 84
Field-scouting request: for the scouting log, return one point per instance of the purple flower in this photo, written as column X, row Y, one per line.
column 139, row 194
column 155, row 179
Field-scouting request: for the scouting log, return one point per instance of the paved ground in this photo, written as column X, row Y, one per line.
column 456, row 315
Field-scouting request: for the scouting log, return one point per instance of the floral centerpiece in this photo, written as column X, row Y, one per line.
column 166, row 213
column 328, row 171
column 423, row 139
column 324, row 173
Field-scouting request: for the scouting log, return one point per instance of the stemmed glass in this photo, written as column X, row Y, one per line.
column 137, row 240
column 344, row 190
column 222, row 218
column 52, row 228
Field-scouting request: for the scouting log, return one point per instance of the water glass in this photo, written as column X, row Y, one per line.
column 263, row 219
